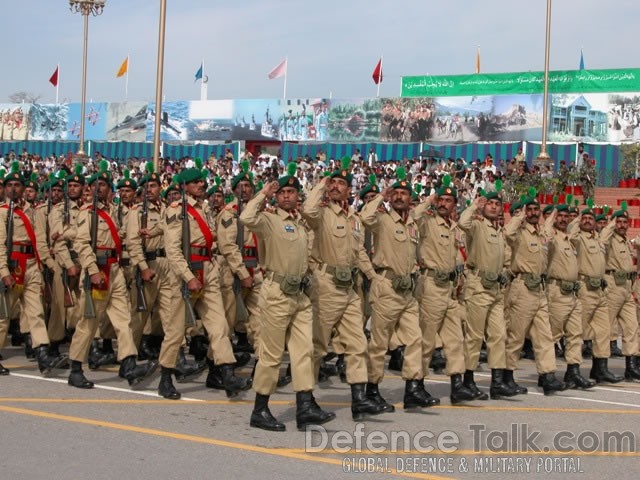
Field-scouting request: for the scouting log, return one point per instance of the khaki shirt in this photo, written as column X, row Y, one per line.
column 528, row 246
column 133, row 239
column 618, row 254
column 485, row 242
column 396, row 240
column 591, row 261
column 40, row 226
column 120, row 215
column 63, row 246
column 438, row 243
column 172, row 227
column 82, row 241
column 19, row 232
column 563, row 257
column 227, row 237
column 283, row 238
column 338, row 238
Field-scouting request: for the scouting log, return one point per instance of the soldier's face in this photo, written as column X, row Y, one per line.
column 127, row 195
column 174, row 196
column 401, row 199
column 246, row 190
column 338, row 190
column 601, row 224
column 217, row 200
column 573, row 216
column 30, row 194
column 562, row 220
column 493, row 209
column 622, row 225
column 153, row 191
column 103, row 189
column 56, row 194
column 532, row 213
column 74, row 190
column 87, row 195
column 287, row 198
column 13, row 190
column 501, row 219
column 445, row 205
column 587, row 223
column 196, row 189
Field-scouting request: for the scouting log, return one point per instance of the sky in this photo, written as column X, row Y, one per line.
column 332, row 46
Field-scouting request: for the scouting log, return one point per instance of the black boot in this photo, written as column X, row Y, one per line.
column 397, row 359
column 438, row 362
column 459, row 391
column 242, row 343
column 308, row 412
column 186, row 369
column 137, row 375
column 600, row 372
column 361, row 405
column 54, row 351
column 285, row 379
column 484, row 356
column 77, row 378
column 342, row 368
column 99, row 358
column 470, row 383
column 166, row 388
column 242, row 358
column 232, row 384
column 198, row 347
column 527, row 350
column 261, row 416
column 615, row 350
column 631, row 371
column 374, row 394
column 550, row 383
column 46, row 361
column 3, row 370
column 498, row 387
column 573, row 379
column 415, row 396
column 214, row 378
column 326, row 370
column 29, row 352
column 587, row 349
column 156, row 345
column 146, row 350
column 510, row 382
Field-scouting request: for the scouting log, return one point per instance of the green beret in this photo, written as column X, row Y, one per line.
column 601, row 217
column 515, row 206
column 171, row 188
column 530, row 201
column 191, row 175
column 241, row 177
column 212, row 190
column 587, row 211
column 548, row 209
column 573, row 210
column 493, row 196
column 151, row 177
column 562, row 208
column 128, row 183
column 620, row 214
column 367, row 189
column 32, row 184
column 343, row 174
column 403, row 184
column 76, row 178
column 14, row 174
column 447, row 191
column 106, row 176
column 289, row 181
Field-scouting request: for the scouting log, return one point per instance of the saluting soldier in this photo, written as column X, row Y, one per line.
column 338, row 250
column 483, row 292
column 286, row 312
column 393, row 305
column 201, row 274
column 20, row 271
column 108, row 287
column 528, row 305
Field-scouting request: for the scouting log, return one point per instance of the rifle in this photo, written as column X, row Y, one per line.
column 241, row 309
column 66, row 282
column 89, row 306
column 189, row 314
column 47, row 272
column 141, row 301
column 4, row 309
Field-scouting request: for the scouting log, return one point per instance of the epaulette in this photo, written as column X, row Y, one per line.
column 229, row 206
column 41, row 205
column 175, row 204
column 87, row 206
column 134, row 206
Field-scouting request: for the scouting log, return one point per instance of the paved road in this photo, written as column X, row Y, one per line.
column 50, row 430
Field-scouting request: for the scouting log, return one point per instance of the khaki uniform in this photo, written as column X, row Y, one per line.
column 440, row 313
column 27, row 293
column 595, row 308
column 337, row 244
column 243, row 264
column 396, row 242
column 66, row 257
column 286, row 320
column 208, row 302
column 137, row 325
column 529, row 309
column 565, row 310
column 618, row 270
column 111, row 300
column 485, row 306
column 162, row 293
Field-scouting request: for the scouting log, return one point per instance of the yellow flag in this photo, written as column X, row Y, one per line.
column 124, row 68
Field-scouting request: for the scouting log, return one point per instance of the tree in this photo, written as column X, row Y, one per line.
column 26, row 97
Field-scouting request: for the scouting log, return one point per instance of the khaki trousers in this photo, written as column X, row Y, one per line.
column 565, row 316
column 56, row 323
column 622, row 309
column 595, row 315
column 286, row 321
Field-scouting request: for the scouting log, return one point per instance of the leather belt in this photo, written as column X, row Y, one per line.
column 125, row 262
column 331, row 269
column 26, row 249
column 630, row 275
column 153, row 254
column 201, row 251
column 430, row 272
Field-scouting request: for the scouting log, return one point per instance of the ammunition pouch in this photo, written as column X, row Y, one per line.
column 402, row 283
column 291, row 285
column 343, row 276
column 567, row 287
column 489, row 280
column 533, row 281
column 595, row 283
column 620, row 277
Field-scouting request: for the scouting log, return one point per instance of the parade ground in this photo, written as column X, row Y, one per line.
column 52, row 430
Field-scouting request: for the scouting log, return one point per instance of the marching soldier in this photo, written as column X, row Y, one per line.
column 200, row 274
column 392, row 301
column 565, row 309
column 285, row 308
column 105, row 284
column 529, row 309
column 20, row 271
column 483, row 292
column 338, row 250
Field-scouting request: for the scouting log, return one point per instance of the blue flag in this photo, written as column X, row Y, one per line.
column 581, row 67
column 199, row 74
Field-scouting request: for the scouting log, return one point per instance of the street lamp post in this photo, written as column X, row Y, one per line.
column 544, row 158
column 85, row 8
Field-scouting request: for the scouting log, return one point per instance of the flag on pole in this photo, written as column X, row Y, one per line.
column 199, row 73
column 54, row 78
column 581, row 67
column 478, row 61
column 124, row 68
column 377, row 73
column 279, row 71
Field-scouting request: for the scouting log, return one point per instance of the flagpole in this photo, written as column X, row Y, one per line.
column 58, row 84
column 379, row 78
column 286, row 72
column 126, row 84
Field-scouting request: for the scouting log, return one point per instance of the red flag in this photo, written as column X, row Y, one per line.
column 54, row 78
column 377, row 73
column 279, row 71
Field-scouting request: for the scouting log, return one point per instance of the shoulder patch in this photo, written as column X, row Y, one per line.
column 226, row 223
